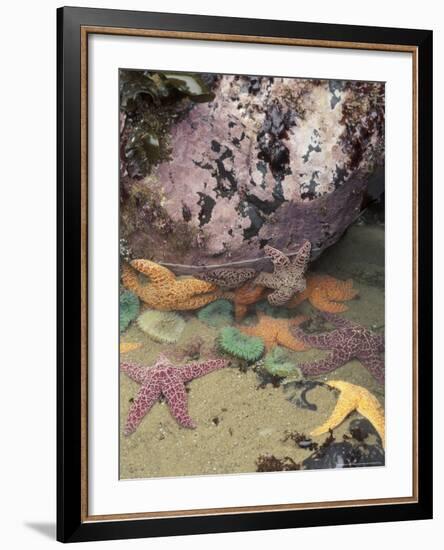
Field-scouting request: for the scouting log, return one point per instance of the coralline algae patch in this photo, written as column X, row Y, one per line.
column 271, row 160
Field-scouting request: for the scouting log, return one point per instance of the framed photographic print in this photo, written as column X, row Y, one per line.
column 244, row 285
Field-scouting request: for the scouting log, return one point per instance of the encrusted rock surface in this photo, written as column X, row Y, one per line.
column 269, row 161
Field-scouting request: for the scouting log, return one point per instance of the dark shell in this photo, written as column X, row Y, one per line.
column 345, row 455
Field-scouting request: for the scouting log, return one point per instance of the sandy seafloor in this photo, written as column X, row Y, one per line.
column 236, row 420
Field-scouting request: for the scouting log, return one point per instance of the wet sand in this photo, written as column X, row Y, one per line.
column 237, row 421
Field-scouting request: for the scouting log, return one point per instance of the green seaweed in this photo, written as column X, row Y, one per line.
column 278, row 363
column 150, row 103
column 129, row 308
column 217, row 314
column 164, row 327
column 234, row 342
column 160, row 88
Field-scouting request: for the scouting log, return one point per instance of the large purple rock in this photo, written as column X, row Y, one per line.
column 270, row 161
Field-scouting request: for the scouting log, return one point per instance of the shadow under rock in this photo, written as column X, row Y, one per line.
column 44, row 528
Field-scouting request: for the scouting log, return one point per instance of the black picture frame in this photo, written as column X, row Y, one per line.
column 72, row 523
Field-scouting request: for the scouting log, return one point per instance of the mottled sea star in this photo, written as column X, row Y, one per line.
column 347, row 341
column 288, row 275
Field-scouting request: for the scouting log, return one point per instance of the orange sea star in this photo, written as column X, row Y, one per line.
column 163, row 290
column 325, row 293
column 243, row 297
column 276, row 332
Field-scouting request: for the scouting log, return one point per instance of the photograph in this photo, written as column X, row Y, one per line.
column 251, row 273
column 232, row 215
column 244, row 274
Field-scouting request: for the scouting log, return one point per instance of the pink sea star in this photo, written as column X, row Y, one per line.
column 163, row 378
column 347, row 341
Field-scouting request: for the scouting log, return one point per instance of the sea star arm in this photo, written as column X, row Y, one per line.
column 197, row 301
column 197, row 287
column 135, row 372
column 320, row 299
column 278, row 258
column 129, row 279
column 285, row 338
column 240, row 310
column 156, row 273
column 145, row 399
column 324, row 340
column 280, row 296
column 266, row 279
column 297, row 299
column 228, row 278
column 176, row 397
column 189, row 371
column 343, row 408
column 125, row 347
column 339, row 291
column 380, row 342
column 267, row 335
column 337, row 321
column 215, row 279
column 163, row 361
column 302, row 256
column 333, row 361
column 375, row 365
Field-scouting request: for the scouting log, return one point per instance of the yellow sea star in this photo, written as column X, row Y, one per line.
column 126, row 347
column 276, row 331
column 354, row 398
column 164, row 291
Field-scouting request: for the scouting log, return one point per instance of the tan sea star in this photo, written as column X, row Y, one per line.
column 288, row 274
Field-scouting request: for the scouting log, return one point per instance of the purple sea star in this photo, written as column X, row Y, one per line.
column 347, row 341
column 288, row 275
column 163, row 378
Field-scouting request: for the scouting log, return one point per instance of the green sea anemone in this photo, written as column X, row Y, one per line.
column 278, row 363
column 217, row 314
column 232, row 341
column 164, row 327
column 129, row 308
